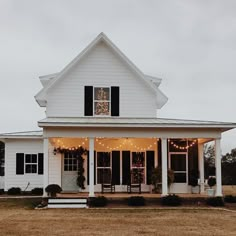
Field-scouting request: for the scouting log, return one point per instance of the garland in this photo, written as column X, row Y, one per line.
column 77, row 152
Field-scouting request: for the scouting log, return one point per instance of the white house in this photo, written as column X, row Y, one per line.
column 102, row 102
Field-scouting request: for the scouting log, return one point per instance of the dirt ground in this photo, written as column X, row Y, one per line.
column 18, row 218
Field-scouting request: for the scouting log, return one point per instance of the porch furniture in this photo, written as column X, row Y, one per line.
column 108, row 188
column 134, row 188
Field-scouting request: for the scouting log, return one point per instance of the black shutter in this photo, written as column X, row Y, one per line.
column 125, row 167
column 20, row 163
column 159, row 153
column 150, row 165
column 88, row 167
column 115, row 101
column 88, row 100
column 40, row 163
column 192, row 159
column 116, row 167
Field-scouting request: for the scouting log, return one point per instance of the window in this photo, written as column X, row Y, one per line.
column 138, row 167
column 103, row 167
column 102, row 101
column 70, row 162
column 31, row 163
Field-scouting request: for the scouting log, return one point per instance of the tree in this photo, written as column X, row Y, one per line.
column 209, row 160
column 229, row 167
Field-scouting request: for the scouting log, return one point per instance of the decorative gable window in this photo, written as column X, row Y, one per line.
column 101, row 101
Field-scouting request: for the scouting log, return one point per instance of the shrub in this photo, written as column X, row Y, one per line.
column 230, row 199
column 100, row 201
column 1, row 191
column 211, row 181
column 53, row 189
column 215, row 201
column 37, row 191
column 14, row 191
column 136, row 201
column 171, row 200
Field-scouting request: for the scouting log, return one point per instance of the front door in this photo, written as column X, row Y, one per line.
column 69, row 173
column 178, row 162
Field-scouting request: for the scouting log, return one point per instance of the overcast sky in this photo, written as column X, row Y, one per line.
column 190, row 44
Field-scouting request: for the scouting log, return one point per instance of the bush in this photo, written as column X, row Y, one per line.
column 37, row 191
column 171, row 200
column 136, row 201
column 14, row 191
column 100, row 201
column 230, row 199
column 215, row 201
column 53, row 189
column 211, row 182
column 1, row 191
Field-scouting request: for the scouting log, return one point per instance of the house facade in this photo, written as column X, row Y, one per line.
column 102, row 103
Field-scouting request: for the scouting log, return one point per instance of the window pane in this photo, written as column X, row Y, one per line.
column 104, row 176
column 180, row 178
column 178, row 162
column 34, row 158
column 103, row 159
column 102, row 108
column 138, row 159
column 28, row 169
column 33, row 168
column 65, row 168
column 28, row 158
column 137, row 176
column 102, row 94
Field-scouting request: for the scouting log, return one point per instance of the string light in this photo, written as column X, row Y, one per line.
column 183, row 147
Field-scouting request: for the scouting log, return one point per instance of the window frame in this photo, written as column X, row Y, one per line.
column 103, row 101
column 68, row 164
column 30, row 164
column 142, row 167
column 102, row 167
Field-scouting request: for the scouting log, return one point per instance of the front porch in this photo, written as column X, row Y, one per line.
column 118, row 155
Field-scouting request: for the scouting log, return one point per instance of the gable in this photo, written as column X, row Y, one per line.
column 100, row 68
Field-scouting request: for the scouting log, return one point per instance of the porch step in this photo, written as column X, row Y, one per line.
column 67, row 203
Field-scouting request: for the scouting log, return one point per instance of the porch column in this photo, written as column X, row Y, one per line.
column 201, row 166
column 45, row 166
column 218, row 167
column 164, row 166
column 91, row 167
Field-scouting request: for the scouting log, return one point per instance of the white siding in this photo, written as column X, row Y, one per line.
column 27, row 146
column 101, row 67
column 54, row 166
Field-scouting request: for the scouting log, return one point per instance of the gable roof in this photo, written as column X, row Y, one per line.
column 151, row 82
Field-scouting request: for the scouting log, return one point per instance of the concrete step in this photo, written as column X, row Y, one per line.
column 67, row 203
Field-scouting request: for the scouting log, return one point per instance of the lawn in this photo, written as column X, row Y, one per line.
column 18, row 218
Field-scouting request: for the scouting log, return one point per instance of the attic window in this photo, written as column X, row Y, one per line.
column 102, row 101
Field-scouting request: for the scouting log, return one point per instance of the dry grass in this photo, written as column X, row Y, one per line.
column 16, row 219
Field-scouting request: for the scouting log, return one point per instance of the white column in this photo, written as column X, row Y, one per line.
column 201, row 166
column 164, row 166
column 91, row 167
column 218, row 168
column 45, row 166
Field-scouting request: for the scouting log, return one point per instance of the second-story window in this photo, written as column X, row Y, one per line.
column 102, row 101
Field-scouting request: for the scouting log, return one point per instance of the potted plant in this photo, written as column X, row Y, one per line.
column 156, row 179
column 53, row 189
column 193, row 180
column 211, row 182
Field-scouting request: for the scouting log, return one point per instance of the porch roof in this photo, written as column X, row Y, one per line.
column 132, row 122
column 26, row 134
